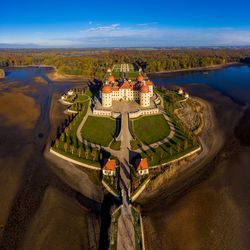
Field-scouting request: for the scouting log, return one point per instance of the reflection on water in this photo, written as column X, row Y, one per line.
column 232, row 81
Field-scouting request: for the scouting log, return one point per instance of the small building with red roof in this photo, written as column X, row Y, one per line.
column 63, row 96
column 70, row 92
column 109, row 167
column 142, row 166
column 180, row 91
column 186, row 95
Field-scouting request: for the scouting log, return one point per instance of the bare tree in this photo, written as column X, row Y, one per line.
column 67, row 130
column 185, row 144
column 178, row 147
column 151, row 156
column 94, row 155
column 65, row 146
column 79, row 151
column 72, row 149
column 57, row 143
column 170, row 150
column 86, row 153
column 161, row 153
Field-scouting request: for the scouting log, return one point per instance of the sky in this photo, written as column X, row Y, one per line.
column 98, row 24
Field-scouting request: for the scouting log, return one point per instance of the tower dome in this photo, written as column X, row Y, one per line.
column 106, row 89
column 111, row 79
column 144, row 88
column 140, row 78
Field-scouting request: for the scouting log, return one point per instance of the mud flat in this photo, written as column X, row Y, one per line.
column 55, row 76
column 205, row 206
column 42, row 205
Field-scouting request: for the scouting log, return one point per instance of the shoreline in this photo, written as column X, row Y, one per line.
column 209, row 151
column 207, row 68
column 54, row 76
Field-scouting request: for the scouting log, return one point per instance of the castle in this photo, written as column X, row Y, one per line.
column 115, row 90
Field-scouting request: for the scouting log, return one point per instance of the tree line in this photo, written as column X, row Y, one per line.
column 95, row 63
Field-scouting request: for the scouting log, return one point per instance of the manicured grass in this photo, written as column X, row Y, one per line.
column 117, row 75
column 178, row 146
column 132, row 74
column 150, row 129
column 99, row 130
column 135, row 144
column 116, row 145
column 82, row 98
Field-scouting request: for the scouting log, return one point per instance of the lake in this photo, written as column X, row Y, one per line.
column 232, row 81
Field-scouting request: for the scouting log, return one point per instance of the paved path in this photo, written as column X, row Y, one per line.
column 126, row 235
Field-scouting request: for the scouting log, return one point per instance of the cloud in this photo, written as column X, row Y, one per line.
column 115, row 35
column 90, row 22
column 105, row 28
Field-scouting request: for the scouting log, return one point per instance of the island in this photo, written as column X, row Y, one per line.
column 130, row 132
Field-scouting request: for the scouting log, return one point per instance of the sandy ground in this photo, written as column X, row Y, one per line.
column 39, row 79
column 55, row 76
column 18, row 109
column 207, row 208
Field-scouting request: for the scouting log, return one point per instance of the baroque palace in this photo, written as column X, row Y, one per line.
column 115, row 90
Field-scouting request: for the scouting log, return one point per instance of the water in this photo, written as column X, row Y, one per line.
column 232, row 81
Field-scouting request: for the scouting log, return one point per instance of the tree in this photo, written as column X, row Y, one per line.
column 151, row 156
column 67, row 130
column 65, row 146
column 161, row 152
column 72, row 149
column 178, row 147
column 185, row 144
column 79, row 151
column 170, row 150
column 86, row 153
column 57, row 143
column 62, row 137
column 93, row 155
column 100, row 156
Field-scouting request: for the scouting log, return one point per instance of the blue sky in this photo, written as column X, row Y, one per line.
column 128, row 23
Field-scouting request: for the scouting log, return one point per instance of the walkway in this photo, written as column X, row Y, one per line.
column 126, row 236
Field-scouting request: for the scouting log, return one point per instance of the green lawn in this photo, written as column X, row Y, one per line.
column 99, row 130
column 132, row 74
column 150, row 129
column 175, row 147
column 116, row 145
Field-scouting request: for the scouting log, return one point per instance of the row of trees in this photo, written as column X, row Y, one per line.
column 94, row 65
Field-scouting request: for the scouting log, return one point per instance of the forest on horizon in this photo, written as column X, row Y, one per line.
column 94, row 63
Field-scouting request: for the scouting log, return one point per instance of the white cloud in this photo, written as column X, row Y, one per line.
column 90, row 22
column 105, row 28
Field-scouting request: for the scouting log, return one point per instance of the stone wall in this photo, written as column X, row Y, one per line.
column 100, row 112
column 143, row 112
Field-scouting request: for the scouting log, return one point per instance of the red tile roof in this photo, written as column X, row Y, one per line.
column 140, row 78
column 109, row 164
column 141, row 164
column 111, row 79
